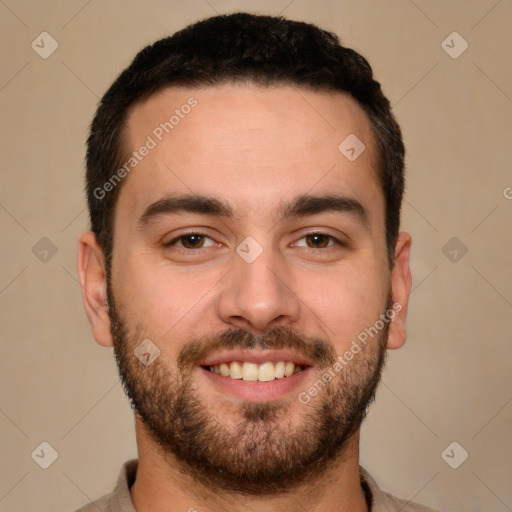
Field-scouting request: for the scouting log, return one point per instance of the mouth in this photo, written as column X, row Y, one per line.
column 251, row 372
column 256, row 375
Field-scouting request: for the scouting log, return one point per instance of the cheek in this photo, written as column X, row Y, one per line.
column 345, row 302
column 159, row 297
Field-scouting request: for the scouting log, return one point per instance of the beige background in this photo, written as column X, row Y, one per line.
column 451, row 381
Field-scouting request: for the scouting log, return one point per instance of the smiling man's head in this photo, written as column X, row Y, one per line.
column 244, row 180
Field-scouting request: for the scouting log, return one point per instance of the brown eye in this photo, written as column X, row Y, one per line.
column 317, row 240
column 190, row 241
column 193, row 241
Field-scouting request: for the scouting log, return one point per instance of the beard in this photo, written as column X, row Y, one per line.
column 254, row 448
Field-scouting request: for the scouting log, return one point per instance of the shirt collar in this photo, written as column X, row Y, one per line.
column 120, row 500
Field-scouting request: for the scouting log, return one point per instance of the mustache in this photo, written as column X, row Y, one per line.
column 316, row 349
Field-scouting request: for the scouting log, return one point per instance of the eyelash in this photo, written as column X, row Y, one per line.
column 192, row 233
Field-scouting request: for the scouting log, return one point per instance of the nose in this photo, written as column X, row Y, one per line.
column 258, row 296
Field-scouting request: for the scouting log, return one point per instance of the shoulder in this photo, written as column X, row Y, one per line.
column 392, row 503
column 99, row 505
column 382, row 501
column 119, row 499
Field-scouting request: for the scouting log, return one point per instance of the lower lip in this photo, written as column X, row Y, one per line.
column 257, row 391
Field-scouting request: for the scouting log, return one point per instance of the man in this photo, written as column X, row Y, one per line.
column 244, row 181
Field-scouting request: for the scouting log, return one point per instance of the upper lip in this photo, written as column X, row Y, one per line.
column 257, row 357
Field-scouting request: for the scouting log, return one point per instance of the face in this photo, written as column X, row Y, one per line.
column 251, row 252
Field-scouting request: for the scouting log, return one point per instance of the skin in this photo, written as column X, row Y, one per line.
column 255, row 148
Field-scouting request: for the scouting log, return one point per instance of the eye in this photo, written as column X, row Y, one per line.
column 190, row 241
column 319, row 241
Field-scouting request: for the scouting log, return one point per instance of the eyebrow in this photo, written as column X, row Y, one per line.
column 300, row 206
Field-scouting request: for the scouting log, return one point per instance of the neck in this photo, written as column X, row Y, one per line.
column 162, row 487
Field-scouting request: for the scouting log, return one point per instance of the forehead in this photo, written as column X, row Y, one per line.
column 251, row 145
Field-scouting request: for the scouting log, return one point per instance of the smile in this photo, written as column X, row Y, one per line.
column 249, row 371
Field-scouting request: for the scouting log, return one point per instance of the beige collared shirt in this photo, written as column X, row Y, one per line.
column 119, row 499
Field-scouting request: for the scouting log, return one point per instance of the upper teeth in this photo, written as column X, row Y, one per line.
column 252, row 371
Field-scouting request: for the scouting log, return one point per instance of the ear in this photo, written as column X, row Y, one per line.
column 401, row 283
column 93, row 279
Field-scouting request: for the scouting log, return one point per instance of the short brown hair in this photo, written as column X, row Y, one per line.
column 241, row 47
